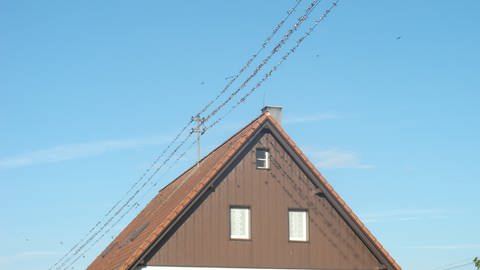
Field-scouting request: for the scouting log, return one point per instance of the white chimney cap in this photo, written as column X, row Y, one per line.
column 275, row 112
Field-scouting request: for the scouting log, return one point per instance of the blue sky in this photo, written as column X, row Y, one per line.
column 383, row 97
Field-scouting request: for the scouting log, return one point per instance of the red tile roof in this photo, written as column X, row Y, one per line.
column 130, row 245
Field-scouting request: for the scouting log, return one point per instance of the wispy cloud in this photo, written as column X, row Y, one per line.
column 338, row 159
column 310, row 118
column 399, row 215
column 75, row 151
column 446, row 247
column 27, row 255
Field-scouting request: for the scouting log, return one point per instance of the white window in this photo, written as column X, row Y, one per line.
column 240, row 223
column 262, row 159
column 297, row 225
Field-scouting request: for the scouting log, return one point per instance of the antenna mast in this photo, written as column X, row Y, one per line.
column 199, row 131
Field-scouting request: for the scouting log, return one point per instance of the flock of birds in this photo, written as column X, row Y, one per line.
column 317, row 56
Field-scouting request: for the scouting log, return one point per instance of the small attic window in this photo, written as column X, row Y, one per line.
column 262, row 159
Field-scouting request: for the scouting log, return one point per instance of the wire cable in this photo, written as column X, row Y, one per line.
column 126, row 203
column 275, row 67
column 76, row 249
column 142, row 177
column 265, row 61
column 457, row 266
column 130, row 208
column 252, row 58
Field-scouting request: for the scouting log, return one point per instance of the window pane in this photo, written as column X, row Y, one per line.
column 262, row 154
column 261, row 163
column 297, row 223
column 240, row 223
column 262, row 159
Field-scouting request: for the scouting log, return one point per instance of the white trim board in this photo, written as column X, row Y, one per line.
column 203, row 268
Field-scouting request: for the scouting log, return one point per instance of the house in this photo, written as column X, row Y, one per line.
column 254, row 202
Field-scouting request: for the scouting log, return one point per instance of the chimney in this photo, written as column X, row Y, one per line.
column 275, row 112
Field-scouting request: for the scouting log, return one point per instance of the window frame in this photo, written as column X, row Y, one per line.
column 307, row 225
column 266, row 159
column 248, row 223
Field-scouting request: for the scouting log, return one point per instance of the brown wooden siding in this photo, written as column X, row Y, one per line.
column 203, row 239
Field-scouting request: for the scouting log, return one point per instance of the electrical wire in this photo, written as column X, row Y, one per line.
column 275, row 67
column 131, row 207
column 76, row 249
column 265, row 61
column 126, row 203
column 457, row 266
column 102, row 220
column 252, row 58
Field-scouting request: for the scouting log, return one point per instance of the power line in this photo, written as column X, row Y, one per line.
column 76, row 249
column 131, row 207
column 453, row 263
column 264, row 44
column 181, row 144
column 283, row 59
column 88, row 237
column 265, row 61
column 252, row 58
column 102, row 220
column 126, row 203
column 457, row 266
column 275, row 67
